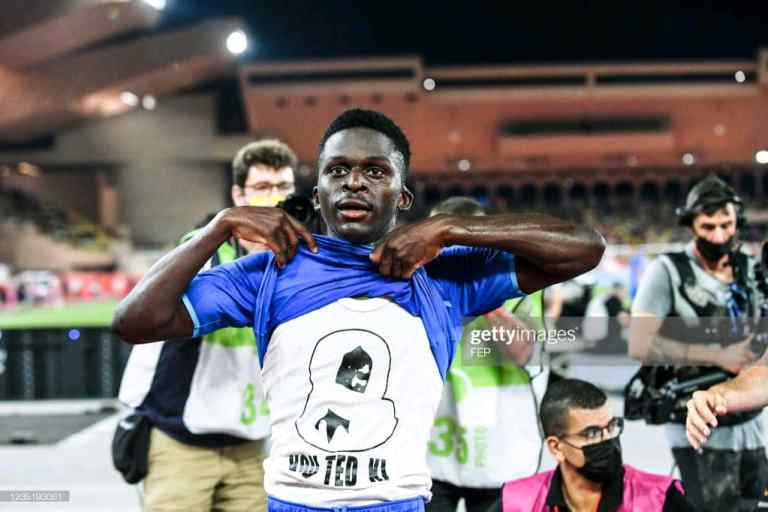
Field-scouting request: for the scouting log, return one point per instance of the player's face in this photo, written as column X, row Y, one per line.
column 359, row 185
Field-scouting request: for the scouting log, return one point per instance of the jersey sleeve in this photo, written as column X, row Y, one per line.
column 475, row 280
column 225, row 296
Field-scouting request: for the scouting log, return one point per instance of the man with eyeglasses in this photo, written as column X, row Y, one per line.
column 204, row 396
column 262, row 175
column 583, row 436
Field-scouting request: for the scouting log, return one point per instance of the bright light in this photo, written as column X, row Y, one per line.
column 762, row 156
column 237, row 42
column 740, row 76
column 464, row 165
column 689, row 159
column 149, row 102
column 129, row 98
column 429, row 84
column 157, row 4
column 73, row 335
column 28, row 169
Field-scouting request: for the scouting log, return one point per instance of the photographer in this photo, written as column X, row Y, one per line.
column 203, row 396
column 689, row 312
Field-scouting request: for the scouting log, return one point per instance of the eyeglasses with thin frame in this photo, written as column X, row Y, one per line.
column 264, row 188
column 592, row 435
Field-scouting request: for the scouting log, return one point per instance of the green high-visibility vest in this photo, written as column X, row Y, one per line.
column 530, row 308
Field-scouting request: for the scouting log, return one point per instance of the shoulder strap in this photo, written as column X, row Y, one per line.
column 683, row 266
column 740, row 264
column 674, row 258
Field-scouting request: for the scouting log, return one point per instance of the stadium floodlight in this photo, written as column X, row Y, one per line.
column 429, row 84
column 689, row 159
column 761, row 156
column 157, row 4
column 237, row 42
column 740, row 76
column 148, row 102
column 464, row 165
column 129, row 98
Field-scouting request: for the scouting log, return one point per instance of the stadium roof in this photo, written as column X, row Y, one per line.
column 66, row 60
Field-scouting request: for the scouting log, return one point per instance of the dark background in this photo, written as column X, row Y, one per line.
column 482, row 32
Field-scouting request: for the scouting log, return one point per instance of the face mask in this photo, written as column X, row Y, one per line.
column 603, row 461
column 711, row 251
column 263, row 201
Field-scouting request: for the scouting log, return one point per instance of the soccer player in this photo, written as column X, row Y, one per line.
column 356, row 328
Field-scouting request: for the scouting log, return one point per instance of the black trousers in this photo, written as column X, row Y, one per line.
column 445, row 497
column 723, row 480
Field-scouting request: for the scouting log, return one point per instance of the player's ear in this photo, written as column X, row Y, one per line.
column 406, row 199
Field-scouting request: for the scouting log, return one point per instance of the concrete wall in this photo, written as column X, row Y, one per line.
column 54, row 189
column 171, row 167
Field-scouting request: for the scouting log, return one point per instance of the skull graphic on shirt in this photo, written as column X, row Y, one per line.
column 347, row 408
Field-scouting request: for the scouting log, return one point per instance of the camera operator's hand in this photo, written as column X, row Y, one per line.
column 272, row 227
column 409, row 247
column 703, row 410
column 735, row 357
column 520, row 338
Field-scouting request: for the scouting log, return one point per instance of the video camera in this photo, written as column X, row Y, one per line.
column 302, row 209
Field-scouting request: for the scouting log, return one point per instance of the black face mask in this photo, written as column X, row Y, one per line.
column 603, row 461
column 711, row 251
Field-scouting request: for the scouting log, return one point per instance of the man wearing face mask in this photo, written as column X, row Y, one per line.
column 204, row 396
column 583, row 436
column 688, row 323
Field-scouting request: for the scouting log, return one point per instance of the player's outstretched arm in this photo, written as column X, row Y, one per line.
column 154, row 310
column 548, row 250
column 746, row 391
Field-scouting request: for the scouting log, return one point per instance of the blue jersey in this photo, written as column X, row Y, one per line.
column 352, row 385
column 252, row 291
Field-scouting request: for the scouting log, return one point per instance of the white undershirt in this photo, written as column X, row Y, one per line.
column 352, row 388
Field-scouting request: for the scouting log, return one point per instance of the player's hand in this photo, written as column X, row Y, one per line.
column 272, row 227
column 409, row 247
column 703, row 409
column 735, row 357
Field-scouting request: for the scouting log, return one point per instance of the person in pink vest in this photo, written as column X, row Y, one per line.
column 583, row 437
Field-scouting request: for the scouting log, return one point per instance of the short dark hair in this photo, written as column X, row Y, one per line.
column 459, row 205
column 359, row 118
column 561, row 397
column 270, row 152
